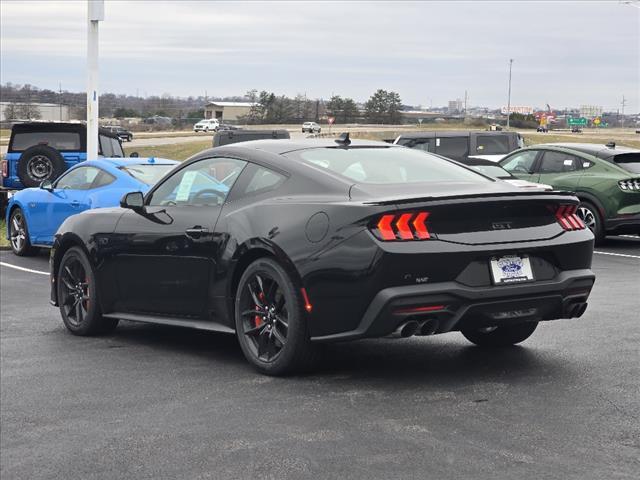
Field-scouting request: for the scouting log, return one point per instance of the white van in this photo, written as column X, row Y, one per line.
column 206, row 125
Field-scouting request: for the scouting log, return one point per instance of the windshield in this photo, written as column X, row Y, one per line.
column 629, row 161
column 492, row 170
column 387, row 165
column 148, row 173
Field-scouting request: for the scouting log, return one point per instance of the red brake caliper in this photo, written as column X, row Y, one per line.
column 257, row 319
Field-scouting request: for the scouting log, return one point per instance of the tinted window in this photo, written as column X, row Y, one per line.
column 520, row 162
column 102, row 179
column 149, row 174
column 492, row 144
column 387, row 165
column 558, row 162
column 80, row 178
column 57, row 140
column 264, row 180
column 424, row 144
column 629, row 161
column 453, row 147
column 200, row 183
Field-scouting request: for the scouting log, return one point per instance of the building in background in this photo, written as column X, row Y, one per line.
column 34, row 111
column 227, row 111
column 590, row 111
column 455, row 106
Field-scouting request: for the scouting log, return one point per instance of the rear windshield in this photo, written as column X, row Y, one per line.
column 387, row 165
column 629, row 161
column 491, row 170
column 492, row 144
column 58, row 140
column 149, row 174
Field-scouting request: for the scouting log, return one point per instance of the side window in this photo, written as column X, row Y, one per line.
column 263, row 180
column 204, row 183
column 80, row 178
column 102, row 179
column 424, row 144
column 520, row 162
column 558, row 162
column 453, row 147
column 492, row 144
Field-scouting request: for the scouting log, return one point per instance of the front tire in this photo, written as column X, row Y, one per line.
column 590, row 216
column 19, row 234
column 271, row 323
column 500, row 336
column 78, row 296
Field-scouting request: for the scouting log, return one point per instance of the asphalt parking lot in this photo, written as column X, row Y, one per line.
column 154, row 402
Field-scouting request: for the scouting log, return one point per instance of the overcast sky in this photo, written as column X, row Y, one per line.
column 565, row 53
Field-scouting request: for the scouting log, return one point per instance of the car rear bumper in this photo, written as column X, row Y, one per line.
column 623, row 224
column 453, row 306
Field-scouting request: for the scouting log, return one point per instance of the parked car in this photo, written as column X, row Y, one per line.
column 234, row 136
column 460, row 144
column 207, row 125
column 315, row 241
column 494, row 170
column 34, row 214
column 311, row 127
column 39, row 151
column 542, row 129
column 122, row 133
column 606, row 179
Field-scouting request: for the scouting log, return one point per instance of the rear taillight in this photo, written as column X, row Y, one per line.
column 402, row 226
column 5, row 168
column 567, row 217
column 633, row 184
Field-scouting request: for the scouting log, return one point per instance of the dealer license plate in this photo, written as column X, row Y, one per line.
column 511, row 269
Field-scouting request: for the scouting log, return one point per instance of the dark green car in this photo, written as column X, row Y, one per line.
column 605, row 178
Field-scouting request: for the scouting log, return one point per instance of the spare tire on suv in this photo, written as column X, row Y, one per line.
column 39, row 163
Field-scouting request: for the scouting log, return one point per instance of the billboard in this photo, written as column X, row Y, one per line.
column 524, row 110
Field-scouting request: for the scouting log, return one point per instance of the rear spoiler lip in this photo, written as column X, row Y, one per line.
column 558, row 196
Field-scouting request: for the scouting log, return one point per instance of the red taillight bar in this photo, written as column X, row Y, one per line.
column 403, row 226
column 567, row 217
column 5, row 168
column 425, row 309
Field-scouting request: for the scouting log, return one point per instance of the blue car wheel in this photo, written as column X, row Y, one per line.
column 19, row 234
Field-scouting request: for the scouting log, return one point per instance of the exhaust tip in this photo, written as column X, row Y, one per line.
column 429, row 327
column 406, row 329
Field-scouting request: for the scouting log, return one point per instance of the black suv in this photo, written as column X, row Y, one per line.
column 461, row 145
column 122, row 133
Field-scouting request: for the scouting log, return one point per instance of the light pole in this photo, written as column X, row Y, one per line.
column 95, row 10
column 509, row 97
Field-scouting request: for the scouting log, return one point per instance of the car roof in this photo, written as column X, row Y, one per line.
column 595, row 149
column 452, row 133
column 281, row 146
column 124, row 162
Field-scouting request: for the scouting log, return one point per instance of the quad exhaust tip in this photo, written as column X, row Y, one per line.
column 413, row 327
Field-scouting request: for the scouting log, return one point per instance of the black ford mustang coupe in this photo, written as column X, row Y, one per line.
column 294, row 243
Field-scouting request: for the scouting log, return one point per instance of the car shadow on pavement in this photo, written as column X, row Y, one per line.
column 442, row 360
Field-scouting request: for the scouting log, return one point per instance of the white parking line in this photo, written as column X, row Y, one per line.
column 618, row 254
column 23, row 269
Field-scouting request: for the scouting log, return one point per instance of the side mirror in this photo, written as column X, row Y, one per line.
column 46, row 185
column 134, row 155
column 132, row 200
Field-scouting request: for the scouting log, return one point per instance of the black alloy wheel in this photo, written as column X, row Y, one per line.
column 19, row 234
column 77, row 296
column 589, row 215
column 271, row 323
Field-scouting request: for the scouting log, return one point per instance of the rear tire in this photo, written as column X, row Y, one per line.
column 500, row 336
column 19, row 234
column 271, row 323
column 78, row 296
column 590, row 216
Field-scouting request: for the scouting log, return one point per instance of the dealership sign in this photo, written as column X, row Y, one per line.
column 514, row 109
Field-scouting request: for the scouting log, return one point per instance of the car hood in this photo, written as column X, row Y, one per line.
column 492, row 158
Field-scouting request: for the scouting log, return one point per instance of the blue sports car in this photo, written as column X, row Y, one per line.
column 34, row 214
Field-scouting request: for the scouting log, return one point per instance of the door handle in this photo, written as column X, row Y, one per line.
column 75, row 204
column 196, row 231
